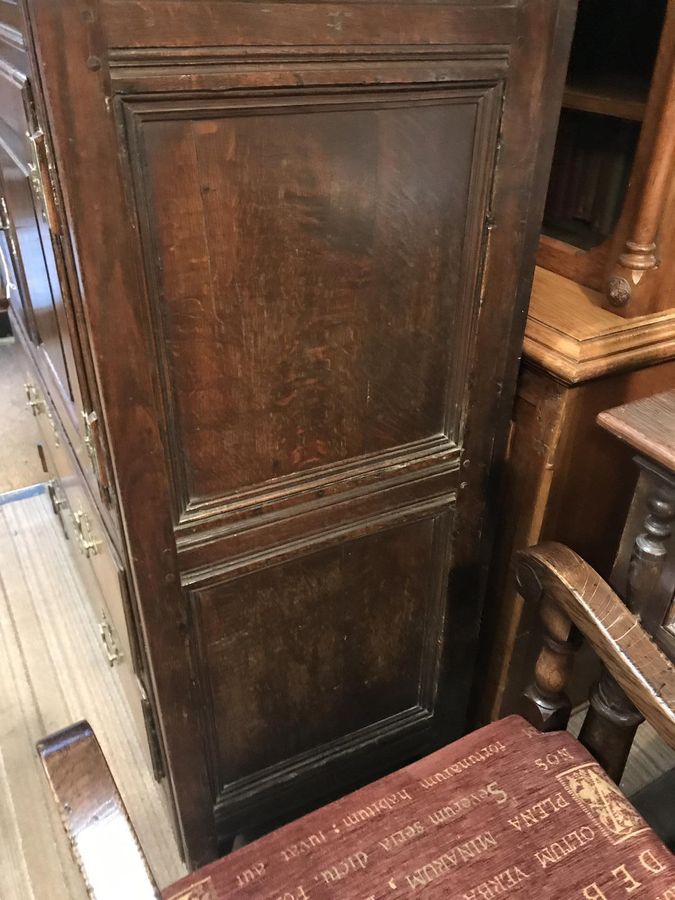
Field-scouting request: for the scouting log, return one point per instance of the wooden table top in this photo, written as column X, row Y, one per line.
column 646, row 425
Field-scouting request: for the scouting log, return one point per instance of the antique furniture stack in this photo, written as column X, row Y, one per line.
column 504, row 810
column 601, row 323
column 270, row 262
column 644, row 569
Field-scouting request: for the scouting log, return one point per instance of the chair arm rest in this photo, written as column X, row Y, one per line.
column 647, row 677
column 101, row 835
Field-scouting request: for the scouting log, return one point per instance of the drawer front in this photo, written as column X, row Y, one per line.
column 98, row 563
column 30, row 222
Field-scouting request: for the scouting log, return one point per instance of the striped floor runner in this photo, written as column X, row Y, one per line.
column 52, row 673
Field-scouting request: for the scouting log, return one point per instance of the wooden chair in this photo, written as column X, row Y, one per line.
column 506, row 810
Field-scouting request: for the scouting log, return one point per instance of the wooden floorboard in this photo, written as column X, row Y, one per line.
column 19, row 462
column 53, row 673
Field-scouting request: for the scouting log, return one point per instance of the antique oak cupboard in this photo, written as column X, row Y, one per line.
column 294, row 247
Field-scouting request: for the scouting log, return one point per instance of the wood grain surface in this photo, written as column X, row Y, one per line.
column 306, row 339
column 571, row 335
column 646, row 425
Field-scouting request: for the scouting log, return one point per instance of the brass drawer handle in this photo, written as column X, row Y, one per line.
column 112, row 651
column 57, row 500
column 89, row 545
column 39, row 406
column 34, row 400
column 57, row 442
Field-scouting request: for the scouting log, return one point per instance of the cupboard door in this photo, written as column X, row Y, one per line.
column 324, row 219
column 31, row 229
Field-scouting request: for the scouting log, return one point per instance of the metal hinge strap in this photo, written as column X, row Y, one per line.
column 156, row 757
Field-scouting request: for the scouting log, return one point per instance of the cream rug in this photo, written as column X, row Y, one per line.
column 53, row 673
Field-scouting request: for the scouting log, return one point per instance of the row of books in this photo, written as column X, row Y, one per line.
column 591, row 167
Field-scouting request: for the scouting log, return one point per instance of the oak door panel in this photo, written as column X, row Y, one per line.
column 324, row 218
column 349, row 630
column 307, row 268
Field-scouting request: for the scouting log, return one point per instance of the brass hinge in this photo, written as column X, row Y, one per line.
column 156, row 758
column 41, row 181
column 89, row 419
column 41, row 172
column 8, row 283
column 91, row 442
column 5, row 226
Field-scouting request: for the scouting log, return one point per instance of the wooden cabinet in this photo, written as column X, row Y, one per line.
column 303, row 237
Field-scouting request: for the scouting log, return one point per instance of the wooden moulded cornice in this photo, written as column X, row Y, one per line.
column 570, row 335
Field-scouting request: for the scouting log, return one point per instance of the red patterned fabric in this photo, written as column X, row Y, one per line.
column 503, row 812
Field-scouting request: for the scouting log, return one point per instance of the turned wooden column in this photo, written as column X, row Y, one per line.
column 612, row 720
column 547, row 705
column 642, row 237
column 645, row 594
column 610, row 725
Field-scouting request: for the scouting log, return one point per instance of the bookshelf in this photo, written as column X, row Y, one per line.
column 609, row 218
column 617, row 98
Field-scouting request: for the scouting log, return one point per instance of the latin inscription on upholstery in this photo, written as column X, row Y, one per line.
column 504, row 812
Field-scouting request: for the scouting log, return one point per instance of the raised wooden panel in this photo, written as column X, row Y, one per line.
column 308, row 261
column 350, row 630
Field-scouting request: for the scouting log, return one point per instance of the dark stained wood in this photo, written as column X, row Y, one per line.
column 549, row 703
column 370, row 659
column 644, row 569
column 37, row 266
column 647, row 677
column 609, row 725
column 304, row 237
column 646, row 425
column 100, row 832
